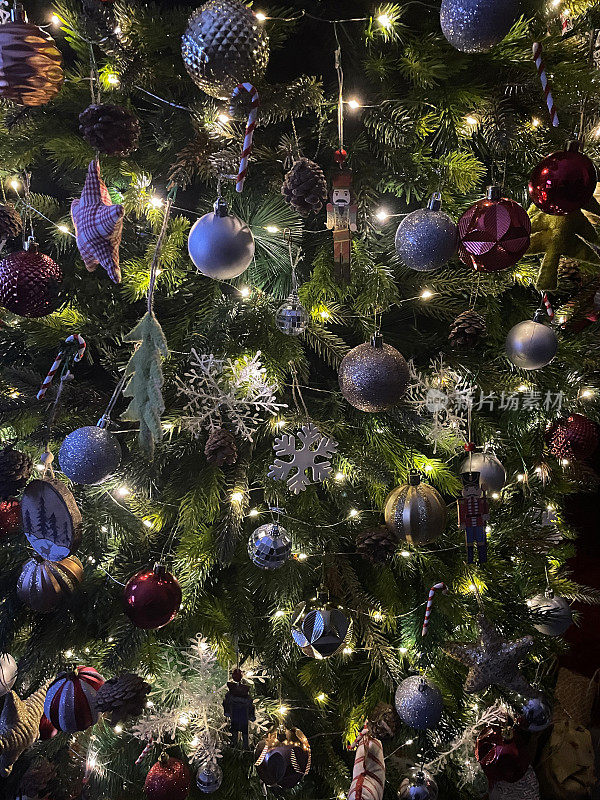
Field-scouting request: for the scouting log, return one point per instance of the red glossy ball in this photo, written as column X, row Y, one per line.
column 152, row 598
column 10, row 517
column 168, row 779
column 563, row 182
column 47, row 729
column 29, row 283
column 493, row 234
column 500, row 758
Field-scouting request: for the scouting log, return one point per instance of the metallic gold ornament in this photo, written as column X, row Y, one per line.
column 19, row 726
column 42, row 584
column 415, row 511
column 373, row 376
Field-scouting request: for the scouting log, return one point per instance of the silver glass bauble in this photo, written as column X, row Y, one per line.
column 427, row 238
column 555, row 611
column 536, row 715
column 90, row 455
column 531, row 344
column 220, row 244
column 492, row 475
column 292, row 318
column 373, row 376
column 321, row 631
column 209, row 779
column 474, row 26
column 419, row 703
column 418, row 785
column 270, row 546
column 223, row 45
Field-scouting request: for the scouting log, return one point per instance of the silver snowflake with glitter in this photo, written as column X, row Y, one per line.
column 303, row 458
column 226, row 391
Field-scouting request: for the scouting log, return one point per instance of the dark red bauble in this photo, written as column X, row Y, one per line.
column 493, row 233
column 563, row 182
column 168, row 779
column 10, row 517
column 502, row 757
column 574, row 438
column 29, row 283
column 47, row 729
column 152, row 598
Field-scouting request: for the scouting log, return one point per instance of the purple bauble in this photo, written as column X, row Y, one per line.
column 29, row 283
column 152, row 598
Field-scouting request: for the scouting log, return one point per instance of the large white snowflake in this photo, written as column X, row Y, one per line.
column 221, row 390
column 304, row 458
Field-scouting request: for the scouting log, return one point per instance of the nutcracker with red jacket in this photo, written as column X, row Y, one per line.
column 473, row 514
column 341, row 218
column 238, row 707
column 368, row 776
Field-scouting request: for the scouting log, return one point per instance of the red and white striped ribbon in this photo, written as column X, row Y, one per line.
column 73, row 339
column 145, row 751
column 250, row 125
column 539, row 62
column 437, row 586
column 548, row 305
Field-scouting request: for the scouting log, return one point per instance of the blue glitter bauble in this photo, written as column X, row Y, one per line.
column 89, row 455
column 426, row 239
column 475, row 26
column 419, row 703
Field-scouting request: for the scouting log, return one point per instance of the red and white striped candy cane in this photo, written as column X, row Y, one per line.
column 145, row 751
column 432, row 591
column 539, row 62
column 548, row 305
column 75, row 338
column 250, row 125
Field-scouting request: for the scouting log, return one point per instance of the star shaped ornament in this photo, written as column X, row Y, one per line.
column 492, row 661
column 98, row 225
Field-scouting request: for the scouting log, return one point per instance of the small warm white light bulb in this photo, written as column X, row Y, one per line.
column 68, row 654
column 15, row 184
column 148, row 523
column 245, row 291
column 488, row 528
column 123, row 491
column 195, row 741
column 92, row 762
column 382, row 215
column 405, row 554
column 346, row 651
column 495, row 496
column 556, row 3
column 63, row 228
column 55, row 19
column 260, row 16
column 324, row 314
column 409, row 742
column 339, row 476
column 472, row 587
column 522, row 388
column 587, row 393
column 536, row 122
column 156, row 202
column 224, row 118
column 271, row 229
column 302, row 556
column 321, row 697
column 384, row 21
column 426, row 294
column 471, row 120
column 104, row 529
column 565, row 462
column 353, row 512
column 520, row 477
column 183, row 720
column 118, row 729
column 282, row 709
column 237, row 497
column 113, row 79
column 279, row 613
column 353, row 104
column 253, row 512
column 403, row 650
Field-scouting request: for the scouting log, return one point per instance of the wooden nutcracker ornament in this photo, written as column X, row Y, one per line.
column 473, row 515
column 341, row 219
column 238, row 707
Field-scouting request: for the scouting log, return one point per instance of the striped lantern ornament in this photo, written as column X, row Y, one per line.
column 42, row 584
column 71, row 699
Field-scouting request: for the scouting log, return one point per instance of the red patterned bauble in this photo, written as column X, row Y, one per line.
column 563, row 182
column 152, row 598
column 573, row 438
column 493, row 233
column 47, row 729
column 29, row 283
column 168, row 779
column 502, row 755
column 10, row 517
column 70, row 703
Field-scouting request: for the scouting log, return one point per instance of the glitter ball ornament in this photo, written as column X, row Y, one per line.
column 373, row 376
column 321, row 631
column 531, row 344
column 152, row 598
column 29, row 282
column 304, row 187
column 415, row 511
column 10, row 517
column 70, row 701
column 474, row 26
column 90, row 455
column 572, row 438
column 418, row 785
column 282, row 758
column 493, row 233
column 42, row 584
column 563, row 182
column 270, row 546
column 419, row 703
column 427, row 238
column 8, row 673
column 292, row 318
column 209, row 779
column 221, row 245
column 555, row 612
column 492, row 475
column 223, row 45
column 168, row 779
column 536, row 715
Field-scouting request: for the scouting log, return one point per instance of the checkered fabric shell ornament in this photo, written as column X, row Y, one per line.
column 494, row 233
column 322, row 632
column 71, row 699
column 270, row 546
column 98, row 225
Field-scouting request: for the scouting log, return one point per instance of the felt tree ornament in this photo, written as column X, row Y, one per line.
column 19, row 726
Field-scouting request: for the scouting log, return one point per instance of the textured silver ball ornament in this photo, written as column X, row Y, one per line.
column 419, row 703
column 292, row 318
column 418, row 785
column 427, row 238
column 90, row 455
column 531, row 344
column 220, row 244
column 556, row 613
column 475, row 26
column 492, row 475
column 373, row 376
column 209, row 779
column 270, row 546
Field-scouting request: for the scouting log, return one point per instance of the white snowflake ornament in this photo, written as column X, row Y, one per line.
column 304, row 458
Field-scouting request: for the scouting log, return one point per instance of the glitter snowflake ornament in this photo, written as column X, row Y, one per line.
column 303, row 458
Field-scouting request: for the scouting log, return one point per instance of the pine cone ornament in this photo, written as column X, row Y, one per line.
column 36, row 780
column 11, row 224
column 15, row 470
column 382, row 721
column 304, row 187
column 221, row 448
column 466, row 330
column 569, row 274
column 376, row 544
column 99, row 16
column 110, row 129
column 123, row 696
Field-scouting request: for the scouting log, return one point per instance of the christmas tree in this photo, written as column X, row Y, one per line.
column 323, row 284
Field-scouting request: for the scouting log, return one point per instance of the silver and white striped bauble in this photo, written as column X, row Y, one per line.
column 270, row 546
column 209, row 779
column 292, row 318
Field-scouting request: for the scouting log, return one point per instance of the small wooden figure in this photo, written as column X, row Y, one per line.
column 341, row 218
column 473, row 514
column 239, row 708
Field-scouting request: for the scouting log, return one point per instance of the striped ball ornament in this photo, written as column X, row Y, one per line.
column 71, row 699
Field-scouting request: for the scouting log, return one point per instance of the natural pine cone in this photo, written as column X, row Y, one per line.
column 376, row 544
column 569, row 273
column 382, row 721
column 99, row 18
column 15, row 470
column 304, row 187
column 11, row 223
column 124, row 696
column 110, row 129
column 466, row 330
column 220, row 448
column 37, row 778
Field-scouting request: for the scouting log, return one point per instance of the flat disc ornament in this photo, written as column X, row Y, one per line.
column 373, row 376
column 415, row 511
column 476, row 26
column 321, row 631
column 51, row 520
column 282, row 758
column 531, row 344
column 427, row 238
column 90, row 455
column 220, row 244
column 563, row 182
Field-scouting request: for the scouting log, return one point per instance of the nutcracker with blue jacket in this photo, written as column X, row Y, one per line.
column 238, row 707
column 341, row 218
column 473, row 515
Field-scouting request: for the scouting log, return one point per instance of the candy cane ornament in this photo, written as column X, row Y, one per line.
column 541, row 69
column 250, row 125
column 548, row 305
column 73, row 339
column 437, row 586
column 145, row 751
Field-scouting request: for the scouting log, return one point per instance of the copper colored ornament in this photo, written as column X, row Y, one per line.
column 168, row 779
column 573, row 438
column 494, row 233
column 10, row 517
column 563, row 182
column 415, row 511
column 19, row 726
column 282, row 758
column 152, row 598
column 42, row 584
column 29, row 282
column 31, row 71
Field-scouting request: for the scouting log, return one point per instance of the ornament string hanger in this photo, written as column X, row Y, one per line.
column 340, row 78
column 297, row 395
column 95, row 86
column 158, row 249
column 294, row 259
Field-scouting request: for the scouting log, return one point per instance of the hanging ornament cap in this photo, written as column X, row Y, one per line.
column 31, row 246
column 494, row 193
column 414, row 477
column 435, row 202
column 18, row 13
column 377, row 341
column 220, row 207
column 573, row 145
column 340, row 156
column 159, row 569
column 540, row 315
